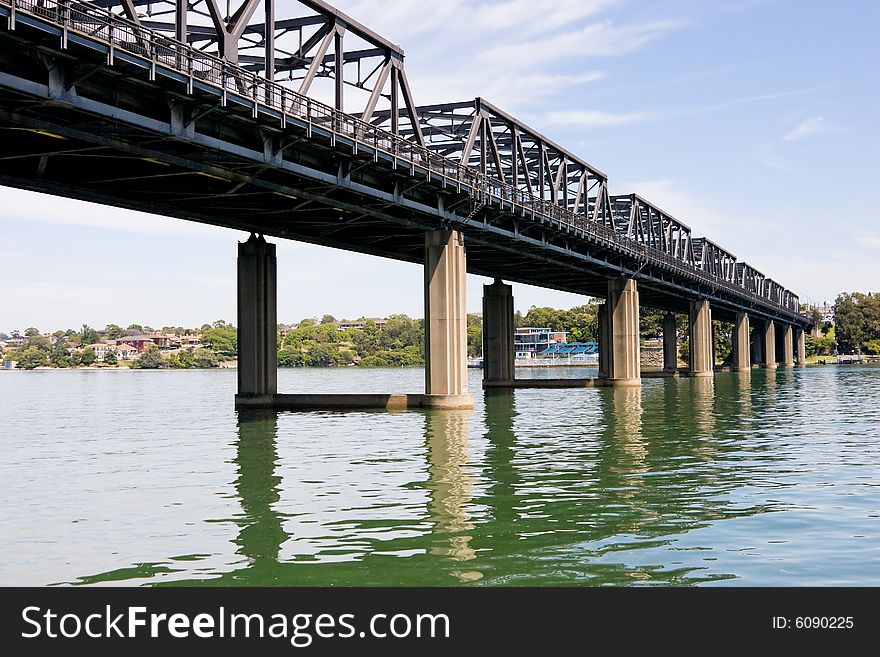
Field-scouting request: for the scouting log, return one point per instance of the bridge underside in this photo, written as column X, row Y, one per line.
column 89, row 163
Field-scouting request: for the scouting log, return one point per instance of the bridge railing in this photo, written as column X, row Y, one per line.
column 120, row 33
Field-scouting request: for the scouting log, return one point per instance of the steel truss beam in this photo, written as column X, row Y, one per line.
column 643, row 222
column 297, row 51
column 480, row 135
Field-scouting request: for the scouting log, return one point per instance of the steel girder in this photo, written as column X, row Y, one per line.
column 301, row 51
column 480, row 135
column 645, row 223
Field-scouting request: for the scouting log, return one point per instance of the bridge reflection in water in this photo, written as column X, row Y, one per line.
column 451, row 488
column 258, row 487
column 602, row 499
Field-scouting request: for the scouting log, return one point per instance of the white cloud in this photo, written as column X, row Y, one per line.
column 605, row 39
column 812, row 125
column 602, row 118
column 514, row 53
column 867, row 239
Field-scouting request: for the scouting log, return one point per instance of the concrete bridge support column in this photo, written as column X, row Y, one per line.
column 741, row 344
column 446, row 321
column 770, row 345
column 257, row 324
column 801, row 347
column 498, row 328
column 758, row 345
column 700, row 339
column 670, row 343
column 604, row 341
column 622, row 319
column 787, row 346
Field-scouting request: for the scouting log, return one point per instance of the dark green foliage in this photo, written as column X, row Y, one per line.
column 406, row 357
column 150, row 359
column 857, row 321
column 89, row 335
column 723, row 340
column 39, row 342
column 30, row 358
column 474, row 336
column 186, row 359
column 399, row 342
column 204, row 358
column 222, row 339
column 651, row 323
column 88, row 356
column 114, row 331
column 820, row 346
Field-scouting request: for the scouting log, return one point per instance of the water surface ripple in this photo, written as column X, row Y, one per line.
column 137, row 477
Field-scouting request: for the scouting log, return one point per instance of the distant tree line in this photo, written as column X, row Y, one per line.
column 399, row 341
column 856, row 326
column 857, row 322
column 71, row 348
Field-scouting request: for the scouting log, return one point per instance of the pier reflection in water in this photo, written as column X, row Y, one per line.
column 260, row 527
column 451, row 488
column 682, row 481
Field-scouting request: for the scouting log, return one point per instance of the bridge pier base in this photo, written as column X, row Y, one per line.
column 801, row 347
column 257, row 323
column 498, row 328
column 446, row 321
column 619, row 334
column 741, row 346
column 770, row 345
column 700, row 340
column 787, row 346
column 670, row 343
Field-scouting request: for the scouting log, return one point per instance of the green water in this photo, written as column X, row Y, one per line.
column 144, row 478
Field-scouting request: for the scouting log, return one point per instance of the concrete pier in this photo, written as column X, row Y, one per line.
column 670, row 343
column 257, row 323
column 445, row 321
column 758, row 346
column 787, row 346
column 498, row 328
column 700, row 340
column 769, row 346
column 621, row 364
column 604, row 340
column 801, row 347
column 742, row 361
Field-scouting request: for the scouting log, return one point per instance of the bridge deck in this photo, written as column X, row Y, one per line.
column 129, row 123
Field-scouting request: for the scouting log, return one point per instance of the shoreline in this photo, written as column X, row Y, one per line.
column 234, row 366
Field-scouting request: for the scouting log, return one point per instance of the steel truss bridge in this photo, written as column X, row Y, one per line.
column 305, row 127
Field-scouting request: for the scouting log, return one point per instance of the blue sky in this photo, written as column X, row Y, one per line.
column 755, row 122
